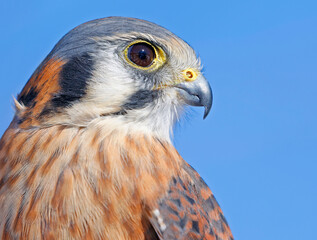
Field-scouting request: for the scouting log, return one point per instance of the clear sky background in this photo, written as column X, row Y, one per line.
column 257, row 150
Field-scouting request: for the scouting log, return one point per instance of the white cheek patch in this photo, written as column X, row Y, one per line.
column 111, row 82
column 160, row 220
column 108, row 88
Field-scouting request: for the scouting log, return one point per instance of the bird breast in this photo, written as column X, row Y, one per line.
column 68, row 183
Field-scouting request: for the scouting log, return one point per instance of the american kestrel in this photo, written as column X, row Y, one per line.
column 89, row 155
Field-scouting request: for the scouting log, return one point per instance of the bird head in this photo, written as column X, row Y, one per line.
column 115, row 72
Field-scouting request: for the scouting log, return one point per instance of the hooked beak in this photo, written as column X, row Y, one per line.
column 196, row 93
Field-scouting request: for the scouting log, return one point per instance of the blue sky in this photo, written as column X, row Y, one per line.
column 257, row 150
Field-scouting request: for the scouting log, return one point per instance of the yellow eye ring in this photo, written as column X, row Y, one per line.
column 141, row 59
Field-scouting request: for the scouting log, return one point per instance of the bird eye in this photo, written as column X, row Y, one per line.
column 142, row 54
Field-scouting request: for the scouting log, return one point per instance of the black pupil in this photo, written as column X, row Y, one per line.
column 142, row 54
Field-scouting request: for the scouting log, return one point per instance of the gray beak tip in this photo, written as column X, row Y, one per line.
column 205, row 114
column 207, row 104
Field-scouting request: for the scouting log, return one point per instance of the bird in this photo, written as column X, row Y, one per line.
column 89, row 152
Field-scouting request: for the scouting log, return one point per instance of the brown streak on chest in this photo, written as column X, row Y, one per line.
column 79, row 183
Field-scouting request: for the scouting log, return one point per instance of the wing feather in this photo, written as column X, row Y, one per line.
column 189, row 211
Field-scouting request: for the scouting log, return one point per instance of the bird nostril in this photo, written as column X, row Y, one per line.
column 190, row 75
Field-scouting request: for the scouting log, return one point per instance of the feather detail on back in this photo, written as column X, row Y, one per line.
column 189, row 210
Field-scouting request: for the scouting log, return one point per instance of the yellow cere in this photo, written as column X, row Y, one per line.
column 190, row 74
column 159, row 60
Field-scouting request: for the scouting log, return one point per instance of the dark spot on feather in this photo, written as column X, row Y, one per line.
column 183, row 222
column 174, row 181
column 121, row 112
column 140, row 99
column 182, row 184
column 3, row 181
column 172, row 211
column 178, row 202
column 223, row 219
column 189, row 199
column 210, row 203
column 73, row 81
column 46, row 110
column 195, row 226
column 28, row 98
